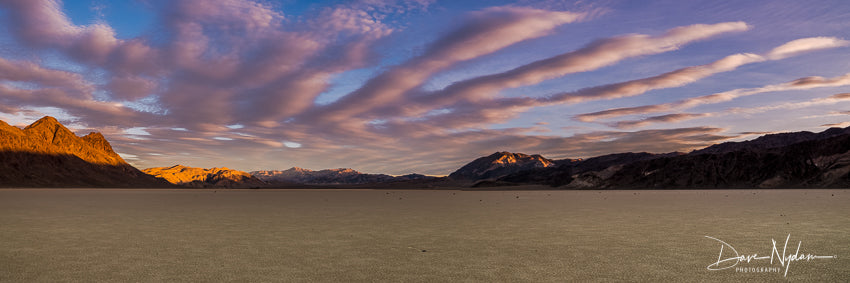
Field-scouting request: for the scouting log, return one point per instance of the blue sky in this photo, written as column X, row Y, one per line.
column 421, row 85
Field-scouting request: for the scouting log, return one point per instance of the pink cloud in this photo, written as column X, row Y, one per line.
column 471, row 104
column 669, row 118
column 838, row 125
column 803, row 45
column 593, row 56
column 484, row 32
column 675, row 78
column 24, row 71
column 131, row 88
column 802, row 83
column 41, row 23
column 678, row 117
column 841, row 97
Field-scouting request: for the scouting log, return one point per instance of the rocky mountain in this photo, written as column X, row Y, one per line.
column 329, row 176
column 206, row 178
column 47, row 154
column 790, row 160
column 500, row 164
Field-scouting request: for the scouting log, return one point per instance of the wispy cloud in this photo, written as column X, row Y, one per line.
column 794, row 105
column 798, row 84
column 472, row 102
column 805, row 45
column 670, row 118
column 593, row 56
column 838, row 125
column 484, row 32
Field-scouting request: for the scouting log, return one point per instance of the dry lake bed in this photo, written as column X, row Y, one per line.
column 51, row 235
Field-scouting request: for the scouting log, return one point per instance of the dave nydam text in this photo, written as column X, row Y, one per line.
column 784, row 260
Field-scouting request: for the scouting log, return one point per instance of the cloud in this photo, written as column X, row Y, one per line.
column 466, row 115
column 794, row 105
column 798, row 46
column 675, row 78
column 838, row 125
column 484, row 32
column 470, row 103
column 41, row 23
column 351, row 20
column 845, row 95
column 798, row 84
column 593, row 56
column 690, row 74
column 669, row 118
column 45, row 87
column 29, row 72
column 131, row 88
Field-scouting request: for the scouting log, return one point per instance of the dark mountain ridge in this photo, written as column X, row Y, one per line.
column 787, row 160
column 773, row 141
column 818, row 163
column 341, row 176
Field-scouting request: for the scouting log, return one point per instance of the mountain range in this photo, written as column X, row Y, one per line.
column 47, row 154
column 206, row 178
column 329, row 176
column 787, row 160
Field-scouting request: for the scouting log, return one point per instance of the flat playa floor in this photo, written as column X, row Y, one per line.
column 382, row 235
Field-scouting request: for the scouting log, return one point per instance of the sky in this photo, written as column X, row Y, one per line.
column 422, row 86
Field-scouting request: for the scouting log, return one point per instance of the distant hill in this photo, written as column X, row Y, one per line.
column 47, row 154
column 579, row 170
column 329, row 176
column 773, row 141
column 817, row 163
column 500, row 164
column 788, row 160
column 206, row 178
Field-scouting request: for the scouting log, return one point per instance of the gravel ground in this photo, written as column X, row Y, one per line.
column 52, row 235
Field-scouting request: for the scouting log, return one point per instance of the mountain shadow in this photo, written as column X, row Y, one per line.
column 27, row 169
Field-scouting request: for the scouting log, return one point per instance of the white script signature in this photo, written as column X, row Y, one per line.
column 783, row 259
